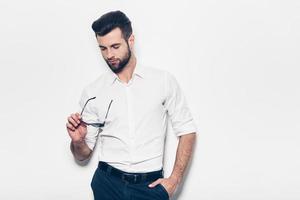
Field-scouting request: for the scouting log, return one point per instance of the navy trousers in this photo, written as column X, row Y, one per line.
column 107, row 187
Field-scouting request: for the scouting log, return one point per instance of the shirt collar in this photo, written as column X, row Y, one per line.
column 138, row 70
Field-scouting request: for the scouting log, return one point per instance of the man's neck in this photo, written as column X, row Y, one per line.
column 126, row 74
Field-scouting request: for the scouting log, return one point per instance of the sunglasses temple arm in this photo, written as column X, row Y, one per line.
column 86, row 103
column 107, row 111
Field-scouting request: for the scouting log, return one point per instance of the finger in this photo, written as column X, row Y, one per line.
column 70, row 127
column 72, row 121
column 75, row 118
column 158, row 181
column 82, row 124
column 78, row 115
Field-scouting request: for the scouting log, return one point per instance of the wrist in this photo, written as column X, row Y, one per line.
column 78, row 142
column 175, row 178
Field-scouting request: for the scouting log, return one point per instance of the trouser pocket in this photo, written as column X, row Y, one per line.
column 163, row 190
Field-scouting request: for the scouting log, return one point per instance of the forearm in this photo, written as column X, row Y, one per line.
column 80, row 150
column 183, row 154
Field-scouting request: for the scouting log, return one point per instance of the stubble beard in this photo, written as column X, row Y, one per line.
column 122, row 64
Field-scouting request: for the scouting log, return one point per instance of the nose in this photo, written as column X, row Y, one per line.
column 109, row 55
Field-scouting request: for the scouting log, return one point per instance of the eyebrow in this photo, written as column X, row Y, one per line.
column 116, row 44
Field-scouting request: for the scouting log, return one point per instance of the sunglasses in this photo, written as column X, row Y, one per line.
column 97, row 125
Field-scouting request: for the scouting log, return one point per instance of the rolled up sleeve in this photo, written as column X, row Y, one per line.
column 177, row 108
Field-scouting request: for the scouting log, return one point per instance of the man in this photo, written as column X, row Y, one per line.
column 125, row 111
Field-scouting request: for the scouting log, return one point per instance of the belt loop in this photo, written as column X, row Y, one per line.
column 135, row 178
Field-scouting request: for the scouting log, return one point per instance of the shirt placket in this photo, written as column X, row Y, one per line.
column 130, row 120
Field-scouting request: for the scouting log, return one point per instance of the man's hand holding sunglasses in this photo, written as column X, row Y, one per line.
column 77, row 131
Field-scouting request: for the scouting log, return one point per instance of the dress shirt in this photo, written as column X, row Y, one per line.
column 133, row 137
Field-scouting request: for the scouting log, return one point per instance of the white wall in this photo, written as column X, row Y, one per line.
column 237, row 62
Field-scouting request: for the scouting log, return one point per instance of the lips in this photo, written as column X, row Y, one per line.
column 113, row 62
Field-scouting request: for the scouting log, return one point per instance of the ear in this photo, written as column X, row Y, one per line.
column 131, row 41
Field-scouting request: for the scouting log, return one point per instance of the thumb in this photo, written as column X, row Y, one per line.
column 158, row 181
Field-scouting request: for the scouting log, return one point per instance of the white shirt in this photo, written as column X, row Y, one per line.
column 133, row 137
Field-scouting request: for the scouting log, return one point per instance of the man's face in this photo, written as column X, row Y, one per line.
column 115, row 50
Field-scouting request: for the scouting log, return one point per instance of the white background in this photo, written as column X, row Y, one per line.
column 236, row 61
